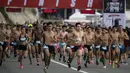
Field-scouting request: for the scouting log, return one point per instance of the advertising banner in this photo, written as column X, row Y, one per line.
column 114, row 12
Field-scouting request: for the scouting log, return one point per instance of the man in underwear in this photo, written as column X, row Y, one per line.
column 2, row 37
column 18, row 32
column 123, row 36
column 14, row 40
column 70, row 44
column 114, row 47
column 49, row 41
column 6, row 44
column 31, row 47
column 105, row 46
column 89, row 41
column 62, row 44
column 98, row 35
column 78, row 38
column 37, row 36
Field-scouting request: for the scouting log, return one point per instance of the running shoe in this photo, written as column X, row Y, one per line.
column 125, row 63
column 116, row 60
column 79, row 67
column 69, row 64
column 98, row 60
column 45, row 69
column 38, row 63
column 118, row 65
column 21, row 67
column 92, row 62
column 33, row 56
column 104, row 67
column 85, row 65
column 113, row 65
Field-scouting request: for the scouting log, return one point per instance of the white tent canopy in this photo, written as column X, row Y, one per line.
column 79, row 16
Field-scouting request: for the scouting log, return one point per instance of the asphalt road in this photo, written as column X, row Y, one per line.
column 12, row 66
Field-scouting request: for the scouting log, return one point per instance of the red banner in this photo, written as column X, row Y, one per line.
column 95, row 4
column 87, row 11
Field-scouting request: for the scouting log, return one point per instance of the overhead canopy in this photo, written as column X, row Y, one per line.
column 79, row 16
column 86, row 21
column 95, row 4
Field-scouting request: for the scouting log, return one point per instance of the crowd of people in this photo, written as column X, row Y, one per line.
column 45, row 41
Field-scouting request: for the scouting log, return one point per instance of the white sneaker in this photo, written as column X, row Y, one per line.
column 104, row 67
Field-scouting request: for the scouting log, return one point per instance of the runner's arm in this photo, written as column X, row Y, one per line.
column 126, row 36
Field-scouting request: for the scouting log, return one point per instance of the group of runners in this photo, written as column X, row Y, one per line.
column 45, row 41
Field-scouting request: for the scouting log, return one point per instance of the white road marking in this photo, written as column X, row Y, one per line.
column 81, row 71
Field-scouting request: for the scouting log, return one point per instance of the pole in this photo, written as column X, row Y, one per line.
column 65, row 13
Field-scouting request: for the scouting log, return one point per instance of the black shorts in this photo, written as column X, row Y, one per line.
column 51, row 48
column 104, row 48
column 113, row 47
column 89, row 47
column 6, row 44
column 23, row 47
column 75, row 48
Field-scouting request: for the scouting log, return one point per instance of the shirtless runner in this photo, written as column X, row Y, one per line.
column 105, row 39
column 37, row 37
column 78, row 38
column 89, row 41
column 123, row 36
column 70, row 44
column 114, row 47
column 2, row 37
column 31, row 47
column 49, row 41
column 98, row 35
column 62, row 43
